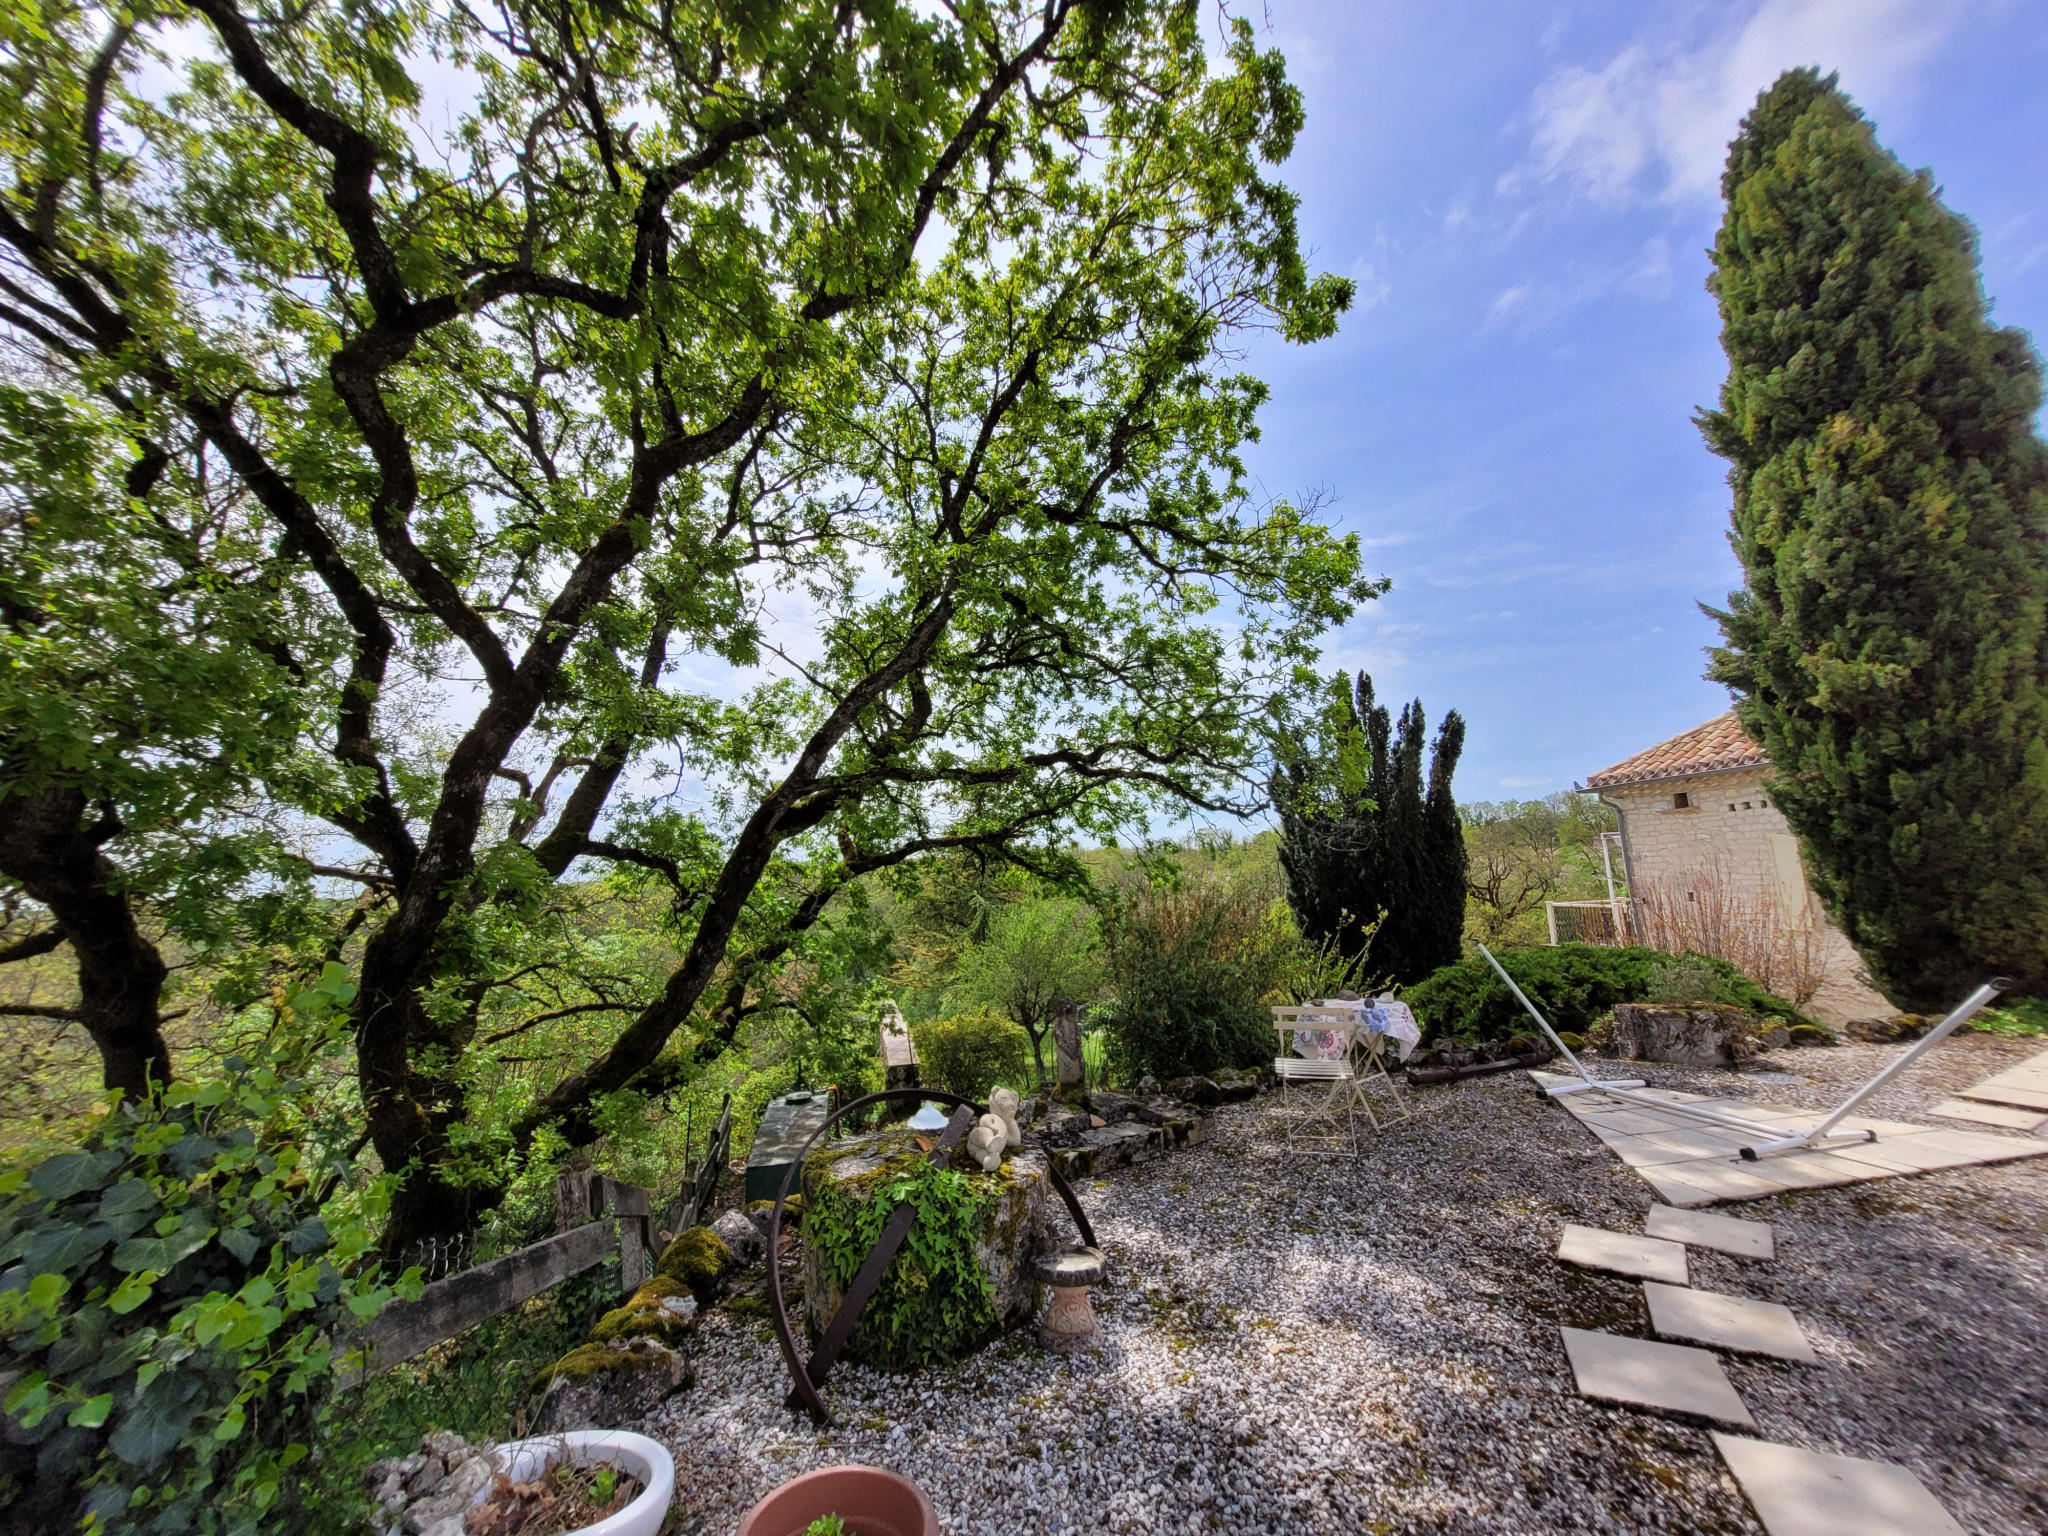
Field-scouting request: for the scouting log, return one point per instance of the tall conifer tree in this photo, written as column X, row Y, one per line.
column 1888, row 647
column 1360, row 837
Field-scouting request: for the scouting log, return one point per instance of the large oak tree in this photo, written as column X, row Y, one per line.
column 560, row 353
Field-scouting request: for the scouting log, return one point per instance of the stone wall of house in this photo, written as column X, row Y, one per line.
column 1729, row 835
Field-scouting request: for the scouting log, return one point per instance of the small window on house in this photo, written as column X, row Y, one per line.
column 1681, row 801
column 1745, row 805
column 1765, row 804
column 1731, row 805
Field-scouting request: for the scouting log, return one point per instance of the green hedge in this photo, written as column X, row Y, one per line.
column 970, row 1053
column 1572, row 983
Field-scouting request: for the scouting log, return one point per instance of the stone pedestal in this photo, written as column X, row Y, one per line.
column 1069, row 1321
column 1688, row 1037
column 1013, row 1222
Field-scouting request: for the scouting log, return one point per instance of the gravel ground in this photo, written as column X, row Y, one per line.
column 1308, row 1345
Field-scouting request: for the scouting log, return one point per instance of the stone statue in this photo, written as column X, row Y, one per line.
column 986, row 1141
column 1003, row 1105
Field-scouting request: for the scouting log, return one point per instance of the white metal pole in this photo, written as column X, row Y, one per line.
column 1586, row 1077
column 1962, row 1015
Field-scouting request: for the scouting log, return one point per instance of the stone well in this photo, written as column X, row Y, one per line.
column 1012, row 1228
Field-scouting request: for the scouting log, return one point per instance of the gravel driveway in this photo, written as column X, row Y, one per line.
column 1300, row 1344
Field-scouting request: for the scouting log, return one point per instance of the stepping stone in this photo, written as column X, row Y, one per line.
column 1727, row 1322
column 1647, row 1258
column 1703, row 1229
column 1813, row 1493
column 1990, row 1114
column 1641, row 1374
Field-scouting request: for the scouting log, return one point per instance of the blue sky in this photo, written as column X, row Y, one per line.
column 1525, row 195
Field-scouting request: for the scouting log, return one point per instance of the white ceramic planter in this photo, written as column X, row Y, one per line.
column 648, row 1460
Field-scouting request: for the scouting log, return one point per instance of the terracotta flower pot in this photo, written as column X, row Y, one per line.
column 870, row 1501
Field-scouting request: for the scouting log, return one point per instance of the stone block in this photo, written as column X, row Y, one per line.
column 1702, row 1229
column 1013, row 1226
column 1644, row 1257
column 1691, row 1037
column 1642, row 1374
column 1727, row 1322
column 1814, row 1493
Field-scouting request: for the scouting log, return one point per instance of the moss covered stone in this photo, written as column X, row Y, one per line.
column 1809, row 1034
column 699, row 1260
column 956, row 1279
column 647, row 1313
column 602, row 1385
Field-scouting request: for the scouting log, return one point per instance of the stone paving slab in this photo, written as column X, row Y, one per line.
column 1647, row 1258
column 1815, row 1493
column 1692, row 1163
column 1642, row 1374
column 1703, row 1229
column 1990, row 1114
column 2025, row 1085
column 1727, row 1322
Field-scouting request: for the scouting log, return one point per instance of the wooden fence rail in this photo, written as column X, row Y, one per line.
column 623, row 1225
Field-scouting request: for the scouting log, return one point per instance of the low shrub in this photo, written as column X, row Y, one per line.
column 171, row 1294
column 1192, row 961
column 1574, row 984
column 970, row 1053
column 1683, row 980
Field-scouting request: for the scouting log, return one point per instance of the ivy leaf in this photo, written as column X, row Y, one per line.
column 241, row 1242
column 160, row 1253
column 92, row 1414
column 189, row 1154
column 58, row 1249
column 308, row 1236
column 127, row 1197
column 73, row 1173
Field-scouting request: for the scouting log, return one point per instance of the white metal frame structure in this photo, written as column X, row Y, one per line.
column 1349, row 1079
column 1769, row 1137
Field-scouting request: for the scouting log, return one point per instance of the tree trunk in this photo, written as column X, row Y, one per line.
column 53, row 852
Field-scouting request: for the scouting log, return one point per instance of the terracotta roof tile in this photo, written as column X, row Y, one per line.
column 1715, row 747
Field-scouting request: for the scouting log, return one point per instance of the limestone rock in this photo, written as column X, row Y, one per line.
column 1202, row 1091
column 662, row 1309
column 1691, row 1037
column 738, row 1233
column 607, row 1386
column 1900, row 1026
column 700, row 1260
column 1810, row 1034
column 1774, row 1036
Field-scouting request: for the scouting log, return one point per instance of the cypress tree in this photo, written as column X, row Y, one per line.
column 1888, row 647
column 1360, row 838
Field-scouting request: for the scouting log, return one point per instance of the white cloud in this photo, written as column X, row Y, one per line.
column 1657, row 117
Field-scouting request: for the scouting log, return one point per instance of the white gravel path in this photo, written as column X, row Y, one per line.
column 1306, row 1345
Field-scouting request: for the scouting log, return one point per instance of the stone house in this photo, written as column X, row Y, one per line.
column 1712, row 866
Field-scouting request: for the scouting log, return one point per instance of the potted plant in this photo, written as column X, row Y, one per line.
column 866, row 1501
column 616, row 1453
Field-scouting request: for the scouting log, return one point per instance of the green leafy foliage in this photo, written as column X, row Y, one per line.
column 1683, row 979
column 1889, row 646
column 172, row 1291
column 826, row 1525
column 1375, row 856
column 971, row 1052
column 934, row 1304
column 1036, row 954
column 1573, row 984
column 1195, row 948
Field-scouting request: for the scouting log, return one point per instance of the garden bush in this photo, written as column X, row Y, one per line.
column 172, row 1291
column 970, row 1053
column 1573, row 984
column 1197, row 946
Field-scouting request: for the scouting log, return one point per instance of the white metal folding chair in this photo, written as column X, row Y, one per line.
column 1319, row 1094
